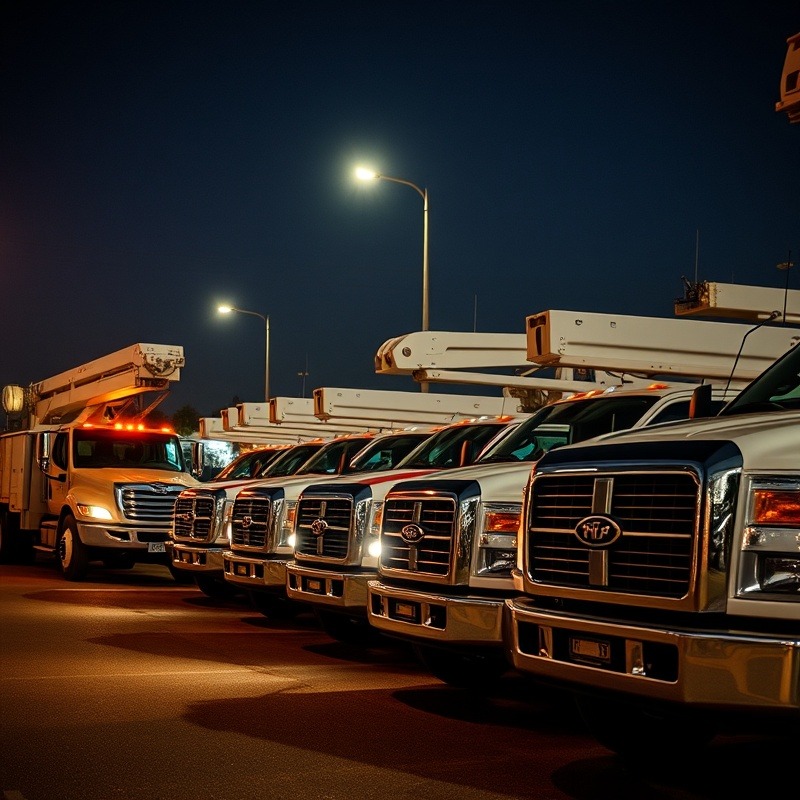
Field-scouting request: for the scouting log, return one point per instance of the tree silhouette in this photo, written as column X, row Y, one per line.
column 186, row 420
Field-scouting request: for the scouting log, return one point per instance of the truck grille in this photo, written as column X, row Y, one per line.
column 657, row 513
column 250, row 521
column 194, row 518
column 431, row 556
column 148, row 502
column 332, row 543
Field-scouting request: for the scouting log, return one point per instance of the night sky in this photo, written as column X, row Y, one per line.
column 160, row 158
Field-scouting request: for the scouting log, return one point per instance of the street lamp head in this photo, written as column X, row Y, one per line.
column 364, row 174
column 224, row 309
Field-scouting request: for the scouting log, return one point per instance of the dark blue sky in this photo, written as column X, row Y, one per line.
column 159, row 158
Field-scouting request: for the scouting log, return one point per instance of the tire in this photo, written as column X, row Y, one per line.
column 346, row 629
column 181, row 576
column 218, row 588
column 72, row 553
column 645, row 737
column 273, row 606
column 478, row 670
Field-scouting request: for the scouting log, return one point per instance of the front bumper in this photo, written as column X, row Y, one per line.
column 124, row 537
column 464, row 620
column 254, row 573
column 197, row 559
column 343, row 590
column 726, row 670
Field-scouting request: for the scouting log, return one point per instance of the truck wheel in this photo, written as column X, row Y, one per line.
column 73, row 555
column 645, row 736
column 218, row 588
column 344, row 628
column 182, row 576
column 464, row 670
column 272, row 605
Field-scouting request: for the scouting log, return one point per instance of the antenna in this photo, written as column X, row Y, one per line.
column 696, row 254
column 786, row 266
column 772, row 316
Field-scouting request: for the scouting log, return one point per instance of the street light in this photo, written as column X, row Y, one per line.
column 228, row 310
column 365, row 174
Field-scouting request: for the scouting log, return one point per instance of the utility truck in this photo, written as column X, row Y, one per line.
column 85, row 478
column 658, row 572
column 201, row 535
column 336, row 524
column 448, row 541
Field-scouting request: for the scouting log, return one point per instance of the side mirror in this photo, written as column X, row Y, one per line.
column 43, row 451
column 700, row 404
column 198, row 458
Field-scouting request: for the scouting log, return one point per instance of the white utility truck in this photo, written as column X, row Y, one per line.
column 84, row 478
column 658, row 573
column 448, row 542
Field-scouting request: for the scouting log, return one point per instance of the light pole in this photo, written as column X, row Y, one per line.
column 369, row 175
column 228, row 310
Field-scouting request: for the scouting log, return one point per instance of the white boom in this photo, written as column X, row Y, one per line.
column 737, row 301
column 407, row 408
column 127, row 372
column 654, row 346
column 449, row 350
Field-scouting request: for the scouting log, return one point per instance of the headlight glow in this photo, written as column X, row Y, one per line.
column 95, row 512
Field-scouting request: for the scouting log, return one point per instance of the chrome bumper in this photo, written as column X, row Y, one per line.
column 732, row 670
column 324, row 587
column 254, row 573
column 454, row 620
column 196, row 559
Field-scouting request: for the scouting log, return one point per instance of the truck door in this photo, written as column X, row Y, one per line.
column 55, row 468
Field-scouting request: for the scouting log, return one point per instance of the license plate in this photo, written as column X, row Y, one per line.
column 591, row 649
column 314, row 585
column 241, row 569
column 406, row 611
column 156, row 547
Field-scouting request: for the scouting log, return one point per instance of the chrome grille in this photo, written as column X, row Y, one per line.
column 250, row 521
column 333, row 543
column 145, row 502
column 194, row 518
column 430, row 556
column 657, row 513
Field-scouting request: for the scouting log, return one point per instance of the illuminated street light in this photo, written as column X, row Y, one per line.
column 365, row 174
column 228, row 310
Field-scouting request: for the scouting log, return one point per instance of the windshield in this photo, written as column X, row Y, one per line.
column 334, row 457
column 565, row 423
column 248, row 465
column 457, row 446
column 97, row 448
column 289, row 461
column 776, row 389
column 386, row 452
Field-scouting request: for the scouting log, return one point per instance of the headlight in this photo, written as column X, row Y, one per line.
column 287, row 535
column 770, row 562
column 374, row 529
column 95, row 512
column 497, row 543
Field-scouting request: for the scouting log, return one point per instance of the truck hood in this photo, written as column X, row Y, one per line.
column 501, row 482
column 100, row 477
column 769, row 440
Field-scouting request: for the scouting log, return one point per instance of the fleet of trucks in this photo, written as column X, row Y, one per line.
column 204, row 518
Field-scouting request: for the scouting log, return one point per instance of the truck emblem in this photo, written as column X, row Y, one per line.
column 411, row 534
column 318, row 527
column 598, row 531
column 187, row 516
column 247, row 521
column 160, row 488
